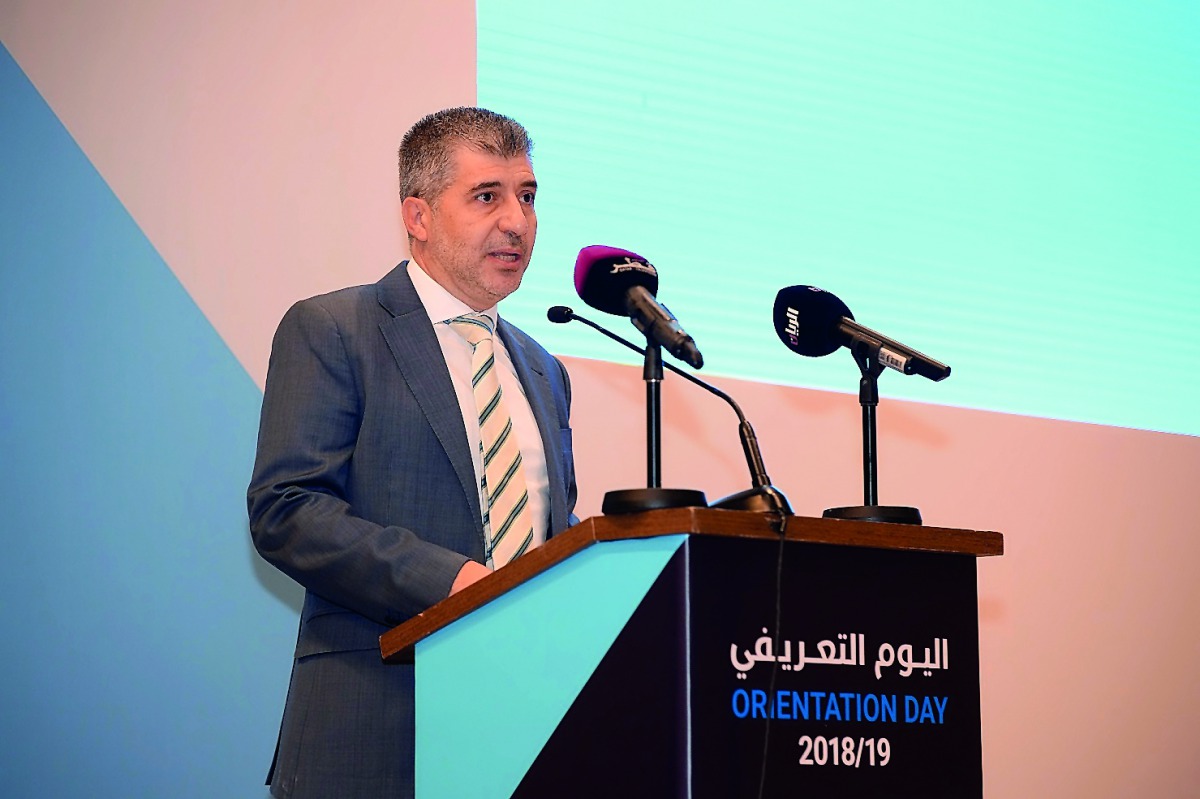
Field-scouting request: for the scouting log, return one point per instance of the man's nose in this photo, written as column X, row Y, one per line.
column 515, row 217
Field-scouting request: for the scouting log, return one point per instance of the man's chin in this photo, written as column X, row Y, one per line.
column 498, row 285
column 506, row 287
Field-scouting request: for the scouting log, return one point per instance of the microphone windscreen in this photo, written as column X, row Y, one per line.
column 806, row 320
column 604, row 275
column 558, row 314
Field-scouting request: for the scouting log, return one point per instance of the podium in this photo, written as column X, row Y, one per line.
column 705, row 653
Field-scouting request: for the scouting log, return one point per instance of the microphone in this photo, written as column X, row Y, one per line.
column 620, row 282
column 561, row 314
column 812, row 322
column 763, row 496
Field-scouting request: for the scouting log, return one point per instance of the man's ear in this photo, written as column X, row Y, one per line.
column 415, row 213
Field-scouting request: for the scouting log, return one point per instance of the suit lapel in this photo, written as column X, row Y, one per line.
column 540, row 394
column 417, row 353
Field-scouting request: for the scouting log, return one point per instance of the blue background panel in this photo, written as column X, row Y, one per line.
column 147, row 650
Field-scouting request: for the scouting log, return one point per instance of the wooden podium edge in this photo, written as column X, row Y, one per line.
column 396, row 645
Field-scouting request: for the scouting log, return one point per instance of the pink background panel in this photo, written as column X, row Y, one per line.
column 253, row 142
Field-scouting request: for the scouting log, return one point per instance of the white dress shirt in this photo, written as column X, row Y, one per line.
column 442, row 306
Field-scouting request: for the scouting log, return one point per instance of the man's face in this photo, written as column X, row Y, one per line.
column 476, row 238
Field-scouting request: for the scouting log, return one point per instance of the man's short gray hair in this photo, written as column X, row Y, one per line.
column 426, row 152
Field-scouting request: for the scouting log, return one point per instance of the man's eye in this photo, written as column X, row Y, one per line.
column 527, row 198
column 485, row 196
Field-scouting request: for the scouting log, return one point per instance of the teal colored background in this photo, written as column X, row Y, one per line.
column 1011, row 188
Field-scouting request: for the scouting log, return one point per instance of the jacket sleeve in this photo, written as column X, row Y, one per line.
column 301, row 519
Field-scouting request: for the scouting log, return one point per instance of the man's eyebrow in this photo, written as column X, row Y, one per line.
column 495, row 184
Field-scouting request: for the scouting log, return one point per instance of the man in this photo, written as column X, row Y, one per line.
column 371, row 487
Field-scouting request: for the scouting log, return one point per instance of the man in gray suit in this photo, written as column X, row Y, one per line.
column 367, row 485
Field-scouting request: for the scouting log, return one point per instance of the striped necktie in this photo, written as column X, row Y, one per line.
column 507, row 522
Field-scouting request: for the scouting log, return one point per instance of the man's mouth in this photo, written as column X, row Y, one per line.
column 508, row 256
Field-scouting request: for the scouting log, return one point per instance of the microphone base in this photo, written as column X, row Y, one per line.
column 636, row 500
column 764, row 499
column 893, row 514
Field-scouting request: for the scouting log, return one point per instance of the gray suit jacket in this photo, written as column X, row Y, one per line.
column 364, row 493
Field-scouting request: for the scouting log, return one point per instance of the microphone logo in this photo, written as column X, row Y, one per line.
column 633, row 265
column 792, row 330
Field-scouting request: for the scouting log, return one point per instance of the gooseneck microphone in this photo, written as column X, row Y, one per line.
column 811, row 321
column 763, row 496
column 621, row 282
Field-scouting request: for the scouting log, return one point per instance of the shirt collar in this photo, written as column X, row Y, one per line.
column 440, row 304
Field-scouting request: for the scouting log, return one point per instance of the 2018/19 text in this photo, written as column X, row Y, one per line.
column 845, row 751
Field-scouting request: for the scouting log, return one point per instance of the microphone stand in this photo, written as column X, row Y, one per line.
column 762, row 496
column 866, row 355
column 654, row 496
column 652, row 373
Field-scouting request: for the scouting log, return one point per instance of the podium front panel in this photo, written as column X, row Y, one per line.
column 859, row 677
column 699, row 666
column 495, row 686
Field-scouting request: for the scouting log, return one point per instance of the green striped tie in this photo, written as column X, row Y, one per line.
column 507, row 522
